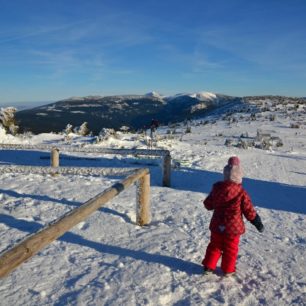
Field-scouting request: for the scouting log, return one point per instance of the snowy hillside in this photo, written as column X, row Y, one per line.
column 108, row 260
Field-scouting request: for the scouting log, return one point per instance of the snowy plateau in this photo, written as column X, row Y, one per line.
column 109, row 260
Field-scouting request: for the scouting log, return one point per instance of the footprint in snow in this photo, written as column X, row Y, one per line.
column 71, row 259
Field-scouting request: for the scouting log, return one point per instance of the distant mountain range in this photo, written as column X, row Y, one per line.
column 24, row 104
column 134, row 111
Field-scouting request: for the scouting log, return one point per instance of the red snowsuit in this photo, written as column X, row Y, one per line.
column 229, row 202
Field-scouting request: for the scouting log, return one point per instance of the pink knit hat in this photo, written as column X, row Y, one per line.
column 232, row 171
column 234, row 160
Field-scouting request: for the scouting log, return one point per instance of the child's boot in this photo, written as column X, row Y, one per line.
column 207, row 271
column 229, row 274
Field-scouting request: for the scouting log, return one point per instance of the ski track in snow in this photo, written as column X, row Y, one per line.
column 108, row 260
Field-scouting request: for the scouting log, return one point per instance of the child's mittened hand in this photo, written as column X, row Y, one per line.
column 260, row 227
column 258, row 224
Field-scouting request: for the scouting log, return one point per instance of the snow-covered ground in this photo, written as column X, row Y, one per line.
column 108, row 260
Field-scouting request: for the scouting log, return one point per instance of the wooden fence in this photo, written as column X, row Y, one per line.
column 164, row 154
column 13, row 257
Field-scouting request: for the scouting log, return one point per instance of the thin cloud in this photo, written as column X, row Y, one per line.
column 193, row 61
column 37, row 31
column 268, row 51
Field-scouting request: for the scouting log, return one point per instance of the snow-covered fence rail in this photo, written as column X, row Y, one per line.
column 164, row 154
column 66, row 170
column 13, row 257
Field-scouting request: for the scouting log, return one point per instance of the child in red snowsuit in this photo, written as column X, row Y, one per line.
column 229, row 201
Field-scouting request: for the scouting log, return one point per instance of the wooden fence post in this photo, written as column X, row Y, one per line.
column 143, row 215
column 54, row 157
column 167, row 170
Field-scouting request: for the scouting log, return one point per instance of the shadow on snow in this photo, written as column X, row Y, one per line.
column 42, row 158
column 38, row 197
column 175, row 264
column 270, row 195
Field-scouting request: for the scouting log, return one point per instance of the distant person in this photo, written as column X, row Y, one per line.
column 153, row 127
column 229, row 201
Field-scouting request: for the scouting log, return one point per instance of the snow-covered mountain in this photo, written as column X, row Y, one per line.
column 155, row 94
column 135, row 111
column 200, row 96
column 108, row 260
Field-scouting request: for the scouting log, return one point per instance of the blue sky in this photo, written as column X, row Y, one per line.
column 54, row 49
